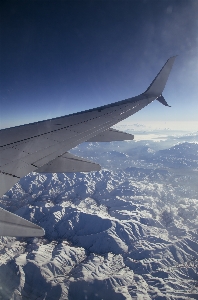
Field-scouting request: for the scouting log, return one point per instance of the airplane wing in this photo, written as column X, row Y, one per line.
column 111, row 135
column 43, row 146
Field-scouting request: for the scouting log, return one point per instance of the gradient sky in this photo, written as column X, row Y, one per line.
column 66, row 56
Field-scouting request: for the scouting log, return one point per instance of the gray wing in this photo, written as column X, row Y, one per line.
column 12, row 225
column 41, row 146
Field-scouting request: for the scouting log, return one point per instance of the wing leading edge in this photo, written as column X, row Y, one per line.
column 42, row 146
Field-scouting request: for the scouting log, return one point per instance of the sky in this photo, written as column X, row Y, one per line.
column 61, row 57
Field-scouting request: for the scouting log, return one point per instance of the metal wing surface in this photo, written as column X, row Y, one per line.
column 43, row 146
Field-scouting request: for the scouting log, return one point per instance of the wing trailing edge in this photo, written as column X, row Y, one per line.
column 111, row 135
column 68, row 163
column 13, row 225
column 6, row 182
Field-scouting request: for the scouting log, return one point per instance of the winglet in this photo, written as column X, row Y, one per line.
column 162, row 100
column 158, row 84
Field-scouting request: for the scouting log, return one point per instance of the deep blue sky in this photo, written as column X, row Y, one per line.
column 66, row 56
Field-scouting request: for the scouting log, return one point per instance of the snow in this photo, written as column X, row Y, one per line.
column 126, row 232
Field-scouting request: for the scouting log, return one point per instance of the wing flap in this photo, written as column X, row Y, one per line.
column 68, row 163
column 6, row 182
column 111, row 135
column 13, row 225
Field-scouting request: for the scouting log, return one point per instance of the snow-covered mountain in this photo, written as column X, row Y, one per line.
column 126, row 232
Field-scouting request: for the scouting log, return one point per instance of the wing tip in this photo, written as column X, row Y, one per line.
column 157, row 86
